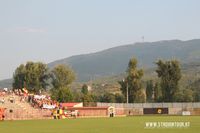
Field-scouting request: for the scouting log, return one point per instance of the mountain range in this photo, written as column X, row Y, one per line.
column 115, row 60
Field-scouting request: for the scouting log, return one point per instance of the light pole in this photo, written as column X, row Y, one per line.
column 126, row 90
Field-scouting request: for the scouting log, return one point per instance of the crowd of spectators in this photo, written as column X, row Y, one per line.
column 3, row 93
column 37, row 101
column 42, row 101
column 2, row 99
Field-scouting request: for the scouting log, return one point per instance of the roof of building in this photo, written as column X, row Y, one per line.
column 69, row 104
column 89, row 108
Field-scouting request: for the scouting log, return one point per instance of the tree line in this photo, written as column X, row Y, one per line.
column 165, row 89
column 37, row 77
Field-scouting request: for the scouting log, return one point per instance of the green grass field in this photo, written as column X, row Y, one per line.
column 101, row 125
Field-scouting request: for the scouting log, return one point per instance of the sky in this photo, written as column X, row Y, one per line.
column 47, row 30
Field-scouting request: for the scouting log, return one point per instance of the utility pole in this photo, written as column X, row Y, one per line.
column 126, row 90
column 143, row 39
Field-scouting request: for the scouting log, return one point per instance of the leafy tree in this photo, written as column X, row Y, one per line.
column 195, row 87
column 36, row 76
column 84, row 89
column 77, row 96
column 62, row 77
column 88, row 99
column 188, row 95
column 19, row 77
column 149, row 90
column 196, row 96
column 140, row 96
column 185, row 95
column 62, row 95
column 119, row 98
column 170, row 73
column 108, row 98
column 133, row 80
column 157, row 94
column 32, row 76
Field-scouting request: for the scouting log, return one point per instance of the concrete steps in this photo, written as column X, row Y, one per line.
column 23, row 110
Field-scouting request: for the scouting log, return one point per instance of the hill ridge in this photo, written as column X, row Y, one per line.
column 114, row 60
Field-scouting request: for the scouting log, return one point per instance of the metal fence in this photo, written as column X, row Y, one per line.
column 151, row 105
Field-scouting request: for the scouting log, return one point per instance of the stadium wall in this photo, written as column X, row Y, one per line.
column 157, row 108
column 93, row 111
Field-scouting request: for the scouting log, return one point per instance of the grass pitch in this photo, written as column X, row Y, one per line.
column 135, row 124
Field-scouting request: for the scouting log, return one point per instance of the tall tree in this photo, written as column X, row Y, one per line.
column 119, row 98
column 149, row 90
column 108, row 98
column 88, row 99
column 32, row 76
column 64, row 95
column 170, row 73
column 184, row 95
column 36, row 76
column 133, row 83
column 195, row 87
column 157, row 92
column 19, row 77
column 84, row 89
column 62, row 77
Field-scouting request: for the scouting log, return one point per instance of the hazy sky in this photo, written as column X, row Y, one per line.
column 46, row 30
